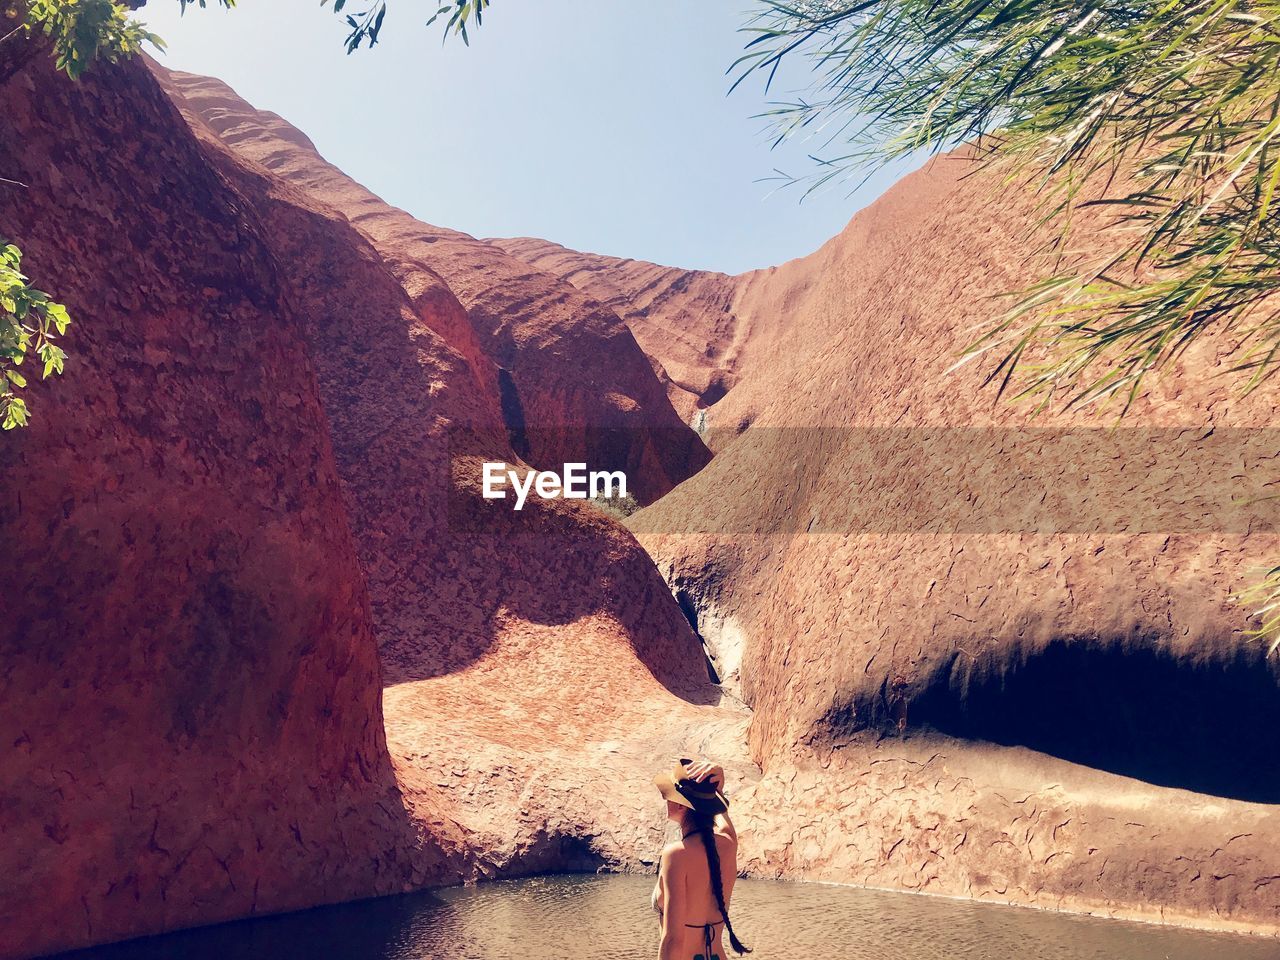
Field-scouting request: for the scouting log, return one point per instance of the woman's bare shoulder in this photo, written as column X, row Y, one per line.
column 675, row 851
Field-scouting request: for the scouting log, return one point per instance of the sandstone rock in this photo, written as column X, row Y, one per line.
column 683, row 319
column 243, row 493
column 1055, row 718
column 239, row 493
column 189, row 682
column 538, row 669
column 534, row 330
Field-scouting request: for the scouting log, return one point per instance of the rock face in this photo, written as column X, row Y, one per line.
column 964, row 691
column 189, row 683
column 684, row 317
column 538, row 668
column 724, row 343
column 531, row 330
column 247, row 509
column 243, row 494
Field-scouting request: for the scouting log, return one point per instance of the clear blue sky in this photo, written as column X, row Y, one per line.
column 600, row 124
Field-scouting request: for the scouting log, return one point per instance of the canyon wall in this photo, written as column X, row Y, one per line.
column 976, row 668
column 269, row 648
column 189, row 682
column 258, row 478
column 1025, row 684
column 538, row 669
column 532, row 329
column 686, row 317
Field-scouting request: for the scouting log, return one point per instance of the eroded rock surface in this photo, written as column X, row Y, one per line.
column 572, row 382
column 683, row 319
column 244, row 495
column 1058, row 716
column 243, row 492
column 189, row 682
column 538, row 668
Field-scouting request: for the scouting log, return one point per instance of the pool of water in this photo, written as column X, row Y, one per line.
column 608, row 918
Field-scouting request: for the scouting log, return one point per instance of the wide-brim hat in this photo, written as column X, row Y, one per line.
column 702, row 797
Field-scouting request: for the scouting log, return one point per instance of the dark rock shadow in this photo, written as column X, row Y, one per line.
column 1199, row 724
column 411, row 424
column 378, row 929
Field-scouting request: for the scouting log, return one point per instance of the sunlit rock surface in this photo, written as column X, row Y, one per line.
column 558, row 358
column 251, row 480
column 1068, row 718
column 269, row 648
column 189, row 683
column 683, row 319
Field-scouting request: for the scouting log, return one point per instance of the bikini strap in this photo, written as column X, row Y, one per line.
column 708, row 935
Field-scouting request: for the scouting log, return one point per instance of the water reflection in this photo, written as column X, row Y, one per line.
column 607, row 918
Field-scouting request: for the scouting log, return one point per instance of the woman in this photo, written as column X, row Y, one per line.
column 697, row 872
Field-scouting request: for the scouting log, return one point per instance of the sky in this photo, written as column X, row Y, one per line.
column 603, row 125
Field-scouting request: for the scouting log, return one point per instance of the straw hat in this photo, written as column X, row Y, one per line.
column 702, row 797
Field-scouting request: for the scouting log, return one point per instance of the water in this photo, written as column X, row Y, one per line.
column 608, row 918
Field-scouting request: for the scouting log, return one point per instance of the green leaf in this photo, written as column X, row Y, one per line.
column 58, row 314
column 15, row 414
column 53, row 358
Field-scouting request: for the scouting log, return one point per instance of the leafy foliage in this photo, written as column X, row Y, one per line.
column 618, row 507
column 86, row 30
column 1266, row 592
column 461, row 12
column 367, row 25
column 29, row 323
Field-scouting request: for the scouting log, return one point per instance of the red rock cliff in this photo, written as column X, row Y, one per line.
column 1044, row 715
column 683, row 319
column 240, row 493
column 243, row 493
column 189, row 683
column 531, row 329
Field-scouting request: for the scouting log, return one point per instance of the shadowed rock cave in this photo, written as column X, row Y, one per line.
column 1209, row 727
column 513, row 414
column 690, row 610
